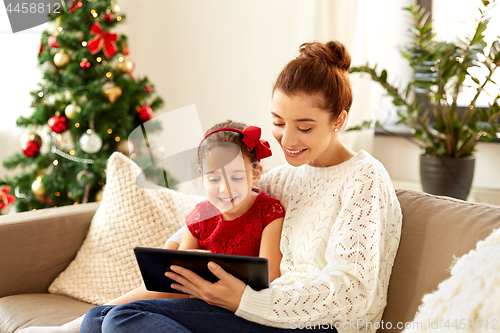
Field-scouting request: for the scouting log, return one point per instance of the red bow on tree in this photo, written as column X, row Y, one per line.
column 5, row 197
column 251, row 138
column 105, row 40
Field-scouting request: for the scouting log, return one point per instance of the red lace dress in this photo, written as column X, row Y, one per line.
column 240, row 236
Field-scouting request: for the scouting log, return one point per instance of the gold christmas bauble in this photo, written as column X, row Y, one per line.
column 125, row 66
column 61, row 59
column 98, row 195
column 115, row 8
column 37, row 187
column 71, row 110
column 113, row 93
column 31, row 136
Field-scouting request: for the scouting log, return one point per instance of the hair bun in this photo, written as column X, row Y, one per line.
column 333, row 52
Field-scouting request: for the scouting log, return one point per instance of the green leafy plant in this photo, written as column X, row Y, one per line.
column 428, row 105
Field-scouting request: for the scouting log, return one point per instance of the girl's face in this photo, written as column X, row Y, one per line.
column 230, row 187
column 304, row 131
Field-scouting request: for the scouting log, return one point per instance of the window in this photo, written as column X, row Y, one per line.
column 456, row 18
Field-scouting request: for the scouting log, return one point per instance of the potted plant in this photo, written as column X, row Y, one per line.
column 447, row 133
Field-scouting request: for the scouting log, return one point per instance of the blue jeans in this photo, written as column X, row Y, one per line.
column 183, row 315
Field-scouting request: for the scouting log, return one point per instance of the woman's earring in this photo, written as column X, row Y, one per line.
column 336, row 130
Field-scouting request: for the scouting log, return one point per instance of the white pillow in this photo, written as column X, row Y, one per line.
column 469, row 299
column 128, row 216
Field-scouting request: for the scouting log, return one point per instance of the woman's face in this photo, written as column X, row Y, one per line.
column 304, row 131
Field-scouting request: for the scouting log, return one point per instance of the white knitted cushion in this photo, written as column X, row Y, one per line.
column 128, row 216
column 468, row 300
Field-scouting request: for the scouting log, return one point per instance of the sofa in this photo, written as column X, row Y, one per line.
column 35, row 247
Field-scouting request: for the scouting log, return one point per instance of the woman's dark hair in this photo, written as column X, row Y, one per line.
column 321, row 69
column 227, row 136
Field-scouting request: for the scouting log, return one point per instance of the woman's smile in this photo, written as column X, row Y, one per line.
column 294, row 152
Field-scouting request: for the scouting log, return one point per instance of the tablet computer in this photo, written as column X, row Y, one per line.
column 153, row 263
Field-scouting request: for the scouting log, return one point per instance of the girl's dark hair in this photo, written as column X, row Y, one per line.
column 227, row 136
column 321, row 69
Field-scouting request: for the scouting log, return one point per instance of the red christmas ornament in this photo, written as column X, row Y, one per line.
column 46, row 200
column 75, row 6
column 149, row 89
column 109, row 17
column 40, row 48
column 5, row 197
column 58, row 124
column 126, row 50
column 145, row 112
column 30, row 144
column 85, row 64
column 30, row 148
column 53, row 41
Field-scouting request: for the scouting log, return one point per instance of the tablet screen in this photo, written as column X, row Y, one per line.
column 153, row 263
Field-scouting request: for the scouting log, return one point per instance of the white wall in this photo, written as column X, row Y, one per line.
column 224, row 55
column 19, row 75
column 221, row 55
column 401, row 159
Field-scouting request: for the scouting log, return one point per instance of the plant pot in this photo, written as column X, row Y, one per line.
column 447, row 176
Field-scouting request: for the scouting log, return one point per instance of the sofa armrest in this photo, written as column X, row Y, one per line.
column 36, row 246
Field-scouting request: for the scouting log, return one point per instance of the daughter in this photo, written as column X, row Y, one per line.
column 236, row 219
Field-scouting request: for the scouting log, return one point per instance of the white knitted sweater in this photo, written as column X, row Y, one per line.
column 339, row 240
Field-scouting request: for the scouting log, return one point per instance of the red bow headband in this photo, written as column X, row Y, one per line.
column 251, row 138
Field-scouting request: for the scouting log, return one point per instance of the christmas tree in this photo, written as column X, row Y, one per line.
column 88, row 101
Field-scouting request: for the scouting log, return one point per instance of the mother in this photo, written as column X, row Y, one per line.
column 340, row 234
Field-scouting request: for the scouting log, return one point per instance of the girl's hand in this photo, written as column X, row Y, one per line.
column 225, row 293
